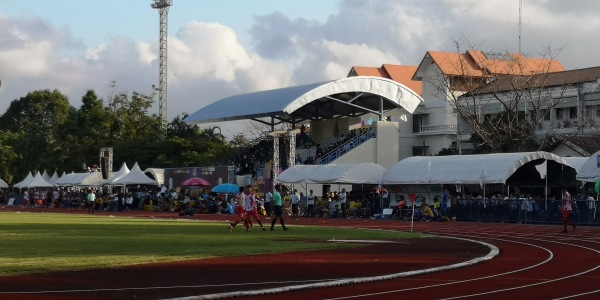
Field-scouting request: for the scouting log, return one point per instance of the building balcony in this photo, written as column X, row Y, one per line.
column 435, row 129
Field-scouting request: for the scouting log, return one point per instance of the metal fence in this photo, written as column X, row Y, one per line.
column 519, row 211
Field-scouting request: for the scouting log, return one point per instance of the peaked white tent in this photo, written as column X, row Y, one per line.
column 45, row 175
column 590, row 170
column 462, row 169
column 38, row 181
column 54, row 178
column 3, row 184
column 135, row 176
column 118, row 175
column 24, row 182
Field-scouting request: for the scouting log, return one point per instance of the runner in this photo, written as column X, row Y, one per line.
column 239, row 209
column 251, row 208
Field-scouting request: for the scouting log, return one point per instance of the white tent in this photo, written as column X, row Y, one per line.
column 363, row 173
column 158, row 174
column 135, row 176
column 54, row 177
column 590, row 170
column 3, row 184
column 118, row 175
column 45, row 175
column 90, row 179
column 462, row 169
column 576, row 162
column 24, row 182
column 297, row 174
column 64, row 179
column 38, row 181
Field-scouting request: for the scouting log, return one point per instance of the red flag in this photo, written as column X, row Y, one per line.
column 413, row 198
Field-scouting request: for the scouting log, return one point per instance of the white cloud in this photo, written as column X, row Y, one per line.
column 207, row 61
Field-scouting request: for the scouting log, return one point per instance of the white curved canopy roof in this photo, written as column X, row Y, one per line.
column 348, row 96
column 363, row 173
column 462, row 169
column 590, row 170
column 158, row 174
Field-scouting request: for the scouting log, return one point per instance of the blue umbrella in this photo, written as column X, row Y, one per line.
column 226, row 188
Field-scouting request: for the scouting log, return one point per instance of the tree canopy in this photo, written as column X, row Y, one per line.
column 42, row 131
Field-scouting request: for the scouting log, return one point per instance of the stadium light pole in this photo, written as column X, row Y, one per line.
column 163, row 9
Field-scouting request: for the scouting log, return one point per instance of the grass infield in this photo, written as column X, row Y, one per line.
column 46, row 242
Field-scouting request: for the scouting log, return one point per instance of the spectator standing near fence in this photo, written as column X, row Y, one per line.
column 310, row 204
column 591, row 204
column 268, row 203
column 567, row 209
column 295, row 204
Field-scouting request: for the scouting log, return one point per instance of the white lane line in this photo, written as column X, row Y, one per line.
column 494, row 251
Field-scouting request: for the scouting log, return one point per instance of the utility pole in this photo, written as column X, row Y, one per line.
column 163, row 9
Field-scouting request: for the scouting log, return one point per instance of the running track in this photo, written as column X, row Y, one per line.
column 535, row 262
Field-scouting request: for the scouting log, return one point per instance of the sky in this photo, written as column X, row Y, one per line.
column 227, row 47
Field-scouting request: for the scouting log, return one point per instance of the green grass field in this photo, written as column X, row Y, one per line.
column 43, row 242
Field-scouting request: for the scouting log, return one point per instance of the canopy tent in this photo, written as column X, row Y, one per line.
column 64, row 179
column 135, row 176
column 590, row 170
column 37, row 181
column 80, row 179
column 3, row 184
column 363, row 173
column 46, row 176
column 156, row 174
column 465, row 169
column 297, row 174
column 576, row 162
column 226, row 188
column 24, row 182
column 90, row 179
column 118, row 175
column 196, row 181
column 54, row 178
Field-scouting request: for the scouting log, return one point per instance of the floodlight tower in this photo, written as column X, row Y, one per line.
column 163, row 9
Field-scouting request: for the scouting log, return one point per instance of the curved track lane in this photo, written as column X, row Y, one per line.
column 535, row 262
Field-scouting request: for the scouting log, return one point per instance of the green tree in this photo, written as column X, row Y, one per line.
column 38, row 118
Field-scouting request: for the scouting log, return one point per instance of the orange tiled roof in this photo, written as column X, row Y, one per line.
column 398, row 73
column 456, row 64
column 475, row 63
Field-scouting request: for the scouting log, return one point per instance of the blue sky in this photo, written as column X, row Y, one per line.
column 95, row 21
column 221, row 48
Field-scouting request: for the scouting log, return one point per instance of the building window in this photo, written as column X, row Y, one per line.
column 559, row 113
column 546, row 114
column 573, row 112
